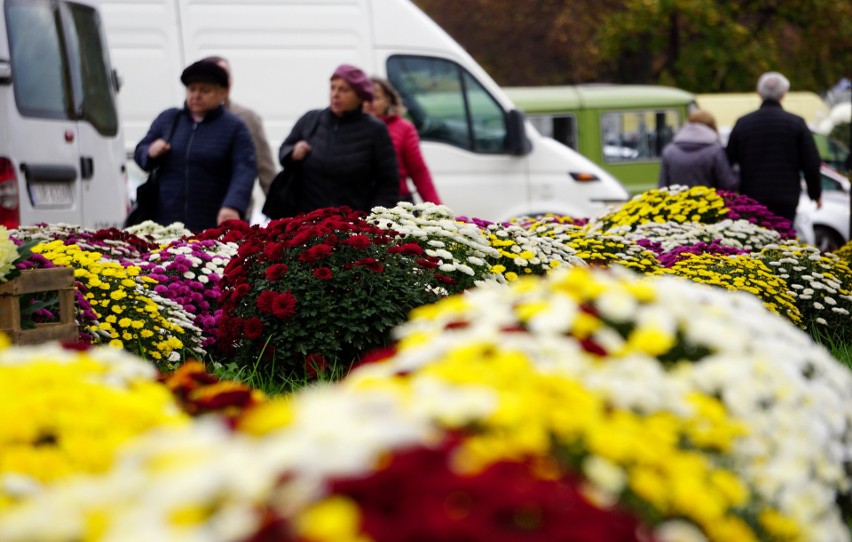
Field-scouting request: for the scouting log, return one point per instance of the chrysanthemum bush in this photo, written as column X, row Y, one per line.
column 129, row 313
column 310, row 294
column 690, row 346
column 740, row 272
column 524, row 253
column 669, row 204
column 510, row 412
column 188, row 272
column 821, row 285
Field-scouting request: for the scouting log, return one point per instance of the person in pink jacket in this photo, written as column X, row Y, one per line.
column 387, row 105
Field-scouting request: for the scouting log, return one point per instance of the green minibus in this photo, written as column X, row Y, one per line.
column 622, row 128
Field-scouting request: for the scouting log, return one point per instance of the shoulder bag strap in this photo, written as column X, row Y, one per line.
column 173, row 126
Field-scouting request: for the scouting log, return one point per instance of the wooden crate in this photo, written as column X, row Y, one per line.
column 58, row 279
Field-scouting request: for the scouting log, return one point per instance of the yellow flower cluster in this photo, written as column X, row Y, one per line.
column 124, row 303
column 670, row 463
column 67, row 413
column 606, row 249
column 739, row 273
column 674, row 204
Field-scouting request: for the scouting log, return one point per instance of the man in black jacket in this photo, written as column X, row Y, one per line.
column 773, row 149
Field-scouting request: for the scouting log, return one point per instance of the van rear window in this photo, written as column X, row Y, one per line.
column 38, row 67
column 60, row 67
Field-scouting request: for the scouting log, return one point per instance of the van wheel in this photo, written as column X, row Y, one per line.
column 827, row 240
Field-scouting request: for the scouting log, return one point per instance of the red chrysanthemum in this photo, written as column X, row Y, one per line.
column 358, row 241
column 372, row 264
column 275, row 271
column 284, row 305
column 265, row 300
column 273, row 251
column 323, row 273
column 253, row 328
column 315, row 253
column 409, row 249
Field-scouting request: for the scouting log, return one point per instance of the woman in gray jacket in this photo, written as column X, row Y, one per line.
column 696, row 156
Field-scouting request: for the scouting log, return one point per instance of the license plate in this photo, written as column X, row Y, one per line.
column 51, row 194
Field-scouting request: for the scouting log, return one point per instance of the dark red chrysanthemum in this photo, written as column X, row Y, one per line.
column 409, row 249
column 253, row 328
column 323, row 273
column 372, row 264
column 315, row 253
column 265, row 300
column 275, row 271
column 358, row 241
column 284, row 305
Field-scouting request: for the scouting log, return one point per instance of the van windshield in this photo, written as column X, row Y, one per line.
column 448, row 104
column 59, row 64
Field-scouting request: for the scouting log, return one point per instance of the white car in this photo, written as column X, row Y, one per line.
column 831, row 221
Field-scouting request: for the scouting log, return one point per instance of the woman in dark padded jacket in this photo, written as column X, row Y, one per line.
column 205, row 154
column 347, row 156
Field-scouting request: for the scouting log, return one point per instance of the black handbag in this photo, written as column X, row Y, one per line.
column 148, row 193
column 282, row 200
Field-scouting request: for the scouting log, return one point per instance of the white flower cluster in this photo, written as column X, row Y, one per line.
column 821, row 285
column 461, row 247
column 740, row 234
column 159, row 234
column 532, row 250
column 8, row 254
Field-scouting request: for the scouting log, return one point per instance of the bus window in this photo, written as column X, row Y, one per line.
column 633, row 136
column 447, row 104
column 562, row 128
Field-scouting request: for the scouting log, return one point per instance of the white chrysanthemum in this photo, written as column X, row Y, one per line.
column 8, row 254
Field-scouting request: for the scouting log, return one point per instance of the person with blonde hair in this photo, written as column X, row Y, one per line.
column 387, row 105
column 696, row 156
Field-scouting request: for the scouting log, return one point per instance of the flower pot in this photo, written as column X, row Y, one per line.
column 59, row 280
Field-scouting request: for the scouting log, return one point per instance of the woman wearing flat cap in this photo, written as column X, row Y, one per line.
column 345, row 156
column 205, row 154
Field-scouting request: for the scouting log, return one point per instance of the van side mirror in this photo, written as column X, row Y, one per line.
column 5, row 73
column 517, row 142
column 116, row 80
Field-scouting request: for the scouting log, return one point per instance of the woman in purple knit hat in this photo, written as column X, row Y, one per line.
column 344, row 156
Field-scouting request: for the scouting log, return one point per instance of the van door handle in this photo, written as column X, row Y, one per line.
column 87, row 167
column 49, row 172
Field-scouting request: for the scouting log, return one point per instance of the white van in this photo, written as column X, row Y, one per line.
column 62, row 157
column 485, row 159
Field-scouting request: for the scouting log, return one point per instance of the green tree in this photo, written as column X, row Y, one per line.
column 708, row 46
column 698, row 45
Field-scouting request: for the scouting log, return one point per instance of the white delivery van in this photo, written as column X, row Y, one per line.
column 486, row 160
column 62, row 156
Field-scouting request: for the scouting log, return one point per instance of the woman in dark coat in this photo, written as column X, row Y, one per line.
column 207, row 165
column 346, row 155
